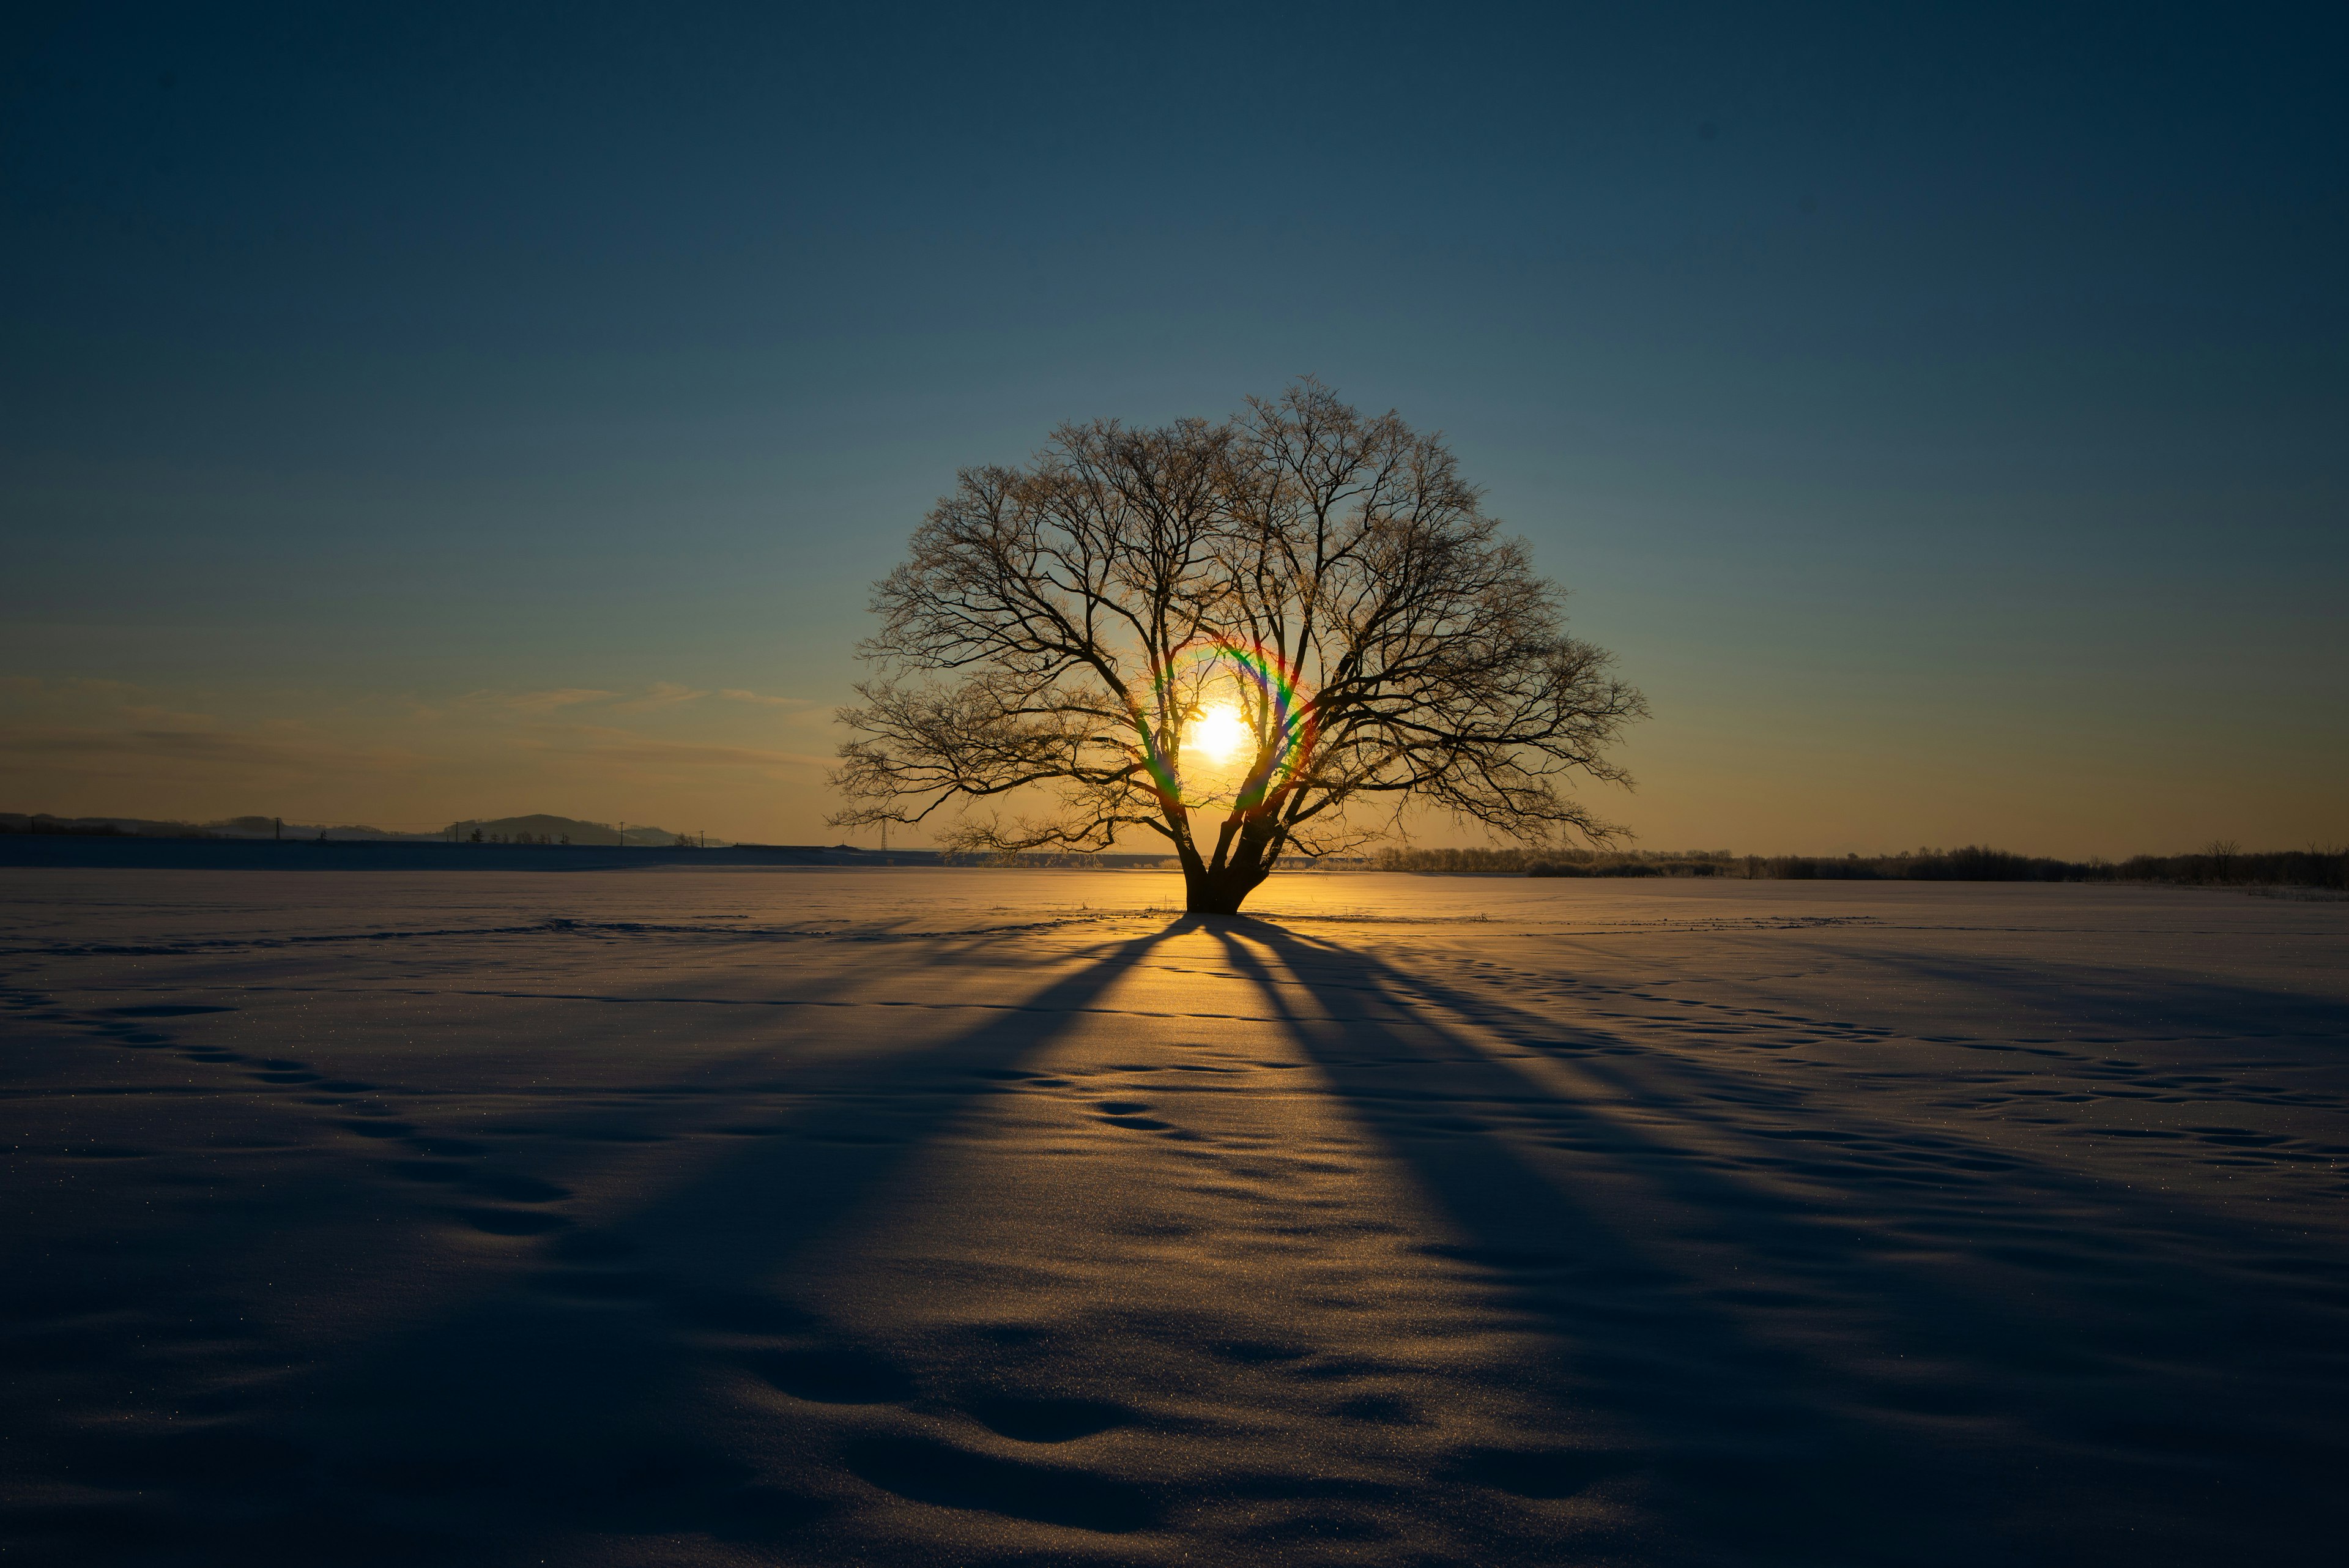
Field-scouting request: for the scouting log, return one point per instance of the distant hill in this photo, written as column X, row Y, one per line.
column 226, row 827
column 541, row 828
column 41, row 822
column 275, row 828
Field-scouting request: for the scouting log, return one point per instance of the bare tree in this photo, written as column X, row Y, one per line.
column 1251, row 638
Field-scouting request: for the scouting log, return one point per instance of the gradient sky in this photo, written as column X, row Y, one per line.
column 424, row 412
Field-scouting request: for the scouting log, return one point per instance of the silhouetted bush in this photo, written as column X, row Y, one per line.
column 2219, row 865
column 1978, row 863
column 1459, row 860
column 1561, row 862
column 2224, row 866
column 54, row 824
column 98, row 827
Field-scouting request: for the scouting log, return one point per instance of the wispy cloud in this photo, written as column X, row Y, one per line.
column 84, row 746
column 626, row 745
column 80, row 691
column 736, row 695
column 286, row 750
column 660, row 695
column 150, row 715
column 545, row 701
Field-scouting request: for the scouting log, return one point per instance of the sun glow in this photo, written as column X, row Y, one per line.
column 1220, row 734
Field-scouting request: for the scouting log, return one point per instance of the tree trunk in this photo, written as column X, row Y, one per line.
column 1208, row 892
column 1220, row 888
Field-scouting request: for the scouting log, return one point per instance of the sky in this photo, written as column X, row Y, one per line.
column 419, row 412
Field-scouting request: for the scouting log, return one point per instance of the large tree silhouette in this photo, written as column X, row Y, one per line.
column 1250, row 639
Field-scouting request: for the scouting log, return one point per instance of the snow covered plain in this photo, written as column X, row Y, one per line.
column 977, row 1217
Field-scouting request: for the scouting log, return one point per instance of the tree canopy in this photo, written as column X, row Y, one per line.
column 1253, row 639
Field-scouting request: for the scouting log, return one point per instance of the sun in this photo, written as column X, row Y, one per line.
column 1220, row 734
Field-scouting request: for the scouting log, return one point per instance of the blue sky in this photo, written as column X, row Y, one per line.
column 409, row 413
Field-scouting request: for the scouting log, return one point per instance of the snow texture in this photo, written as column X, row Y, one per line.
column 987, row 1217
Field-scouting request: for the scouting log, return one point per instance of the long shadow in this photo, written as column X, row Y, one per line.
column 1986, row 1178
column 2096, row 1004
column 1990, row 1174
column 579, row 1399
column 1858, row 1147
column 1779, row 1417
column 1990, row 1179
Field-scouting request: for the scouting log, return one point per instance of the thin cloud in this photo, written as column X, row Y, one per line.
column 203, row 748
column 735, row 694
column 660, row 695
column 152, row 717
column 622, row 745
column 82, row 691
column 545, row 701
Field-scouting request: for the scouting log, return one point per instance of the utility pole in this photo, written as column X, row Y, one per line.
column 277, row 827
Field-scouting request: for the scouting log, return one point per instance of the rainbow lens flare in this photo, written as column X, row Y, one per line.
column 1246, row 711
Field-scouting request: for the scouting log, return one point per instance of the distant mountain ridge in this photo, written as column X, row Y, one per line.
column 543, row 829
column 537, row 829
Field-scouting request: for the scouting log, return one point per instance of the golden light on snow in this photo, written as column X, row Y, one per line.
column 1219, row 735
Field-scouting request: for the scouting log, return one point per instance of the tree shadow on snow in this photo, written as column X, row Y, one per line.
column 586, row 1392
column 1807, row 1387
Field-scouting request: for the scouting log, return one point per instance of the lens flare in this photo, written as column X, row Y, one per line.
column 1272, row 727
column 1219, row 735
